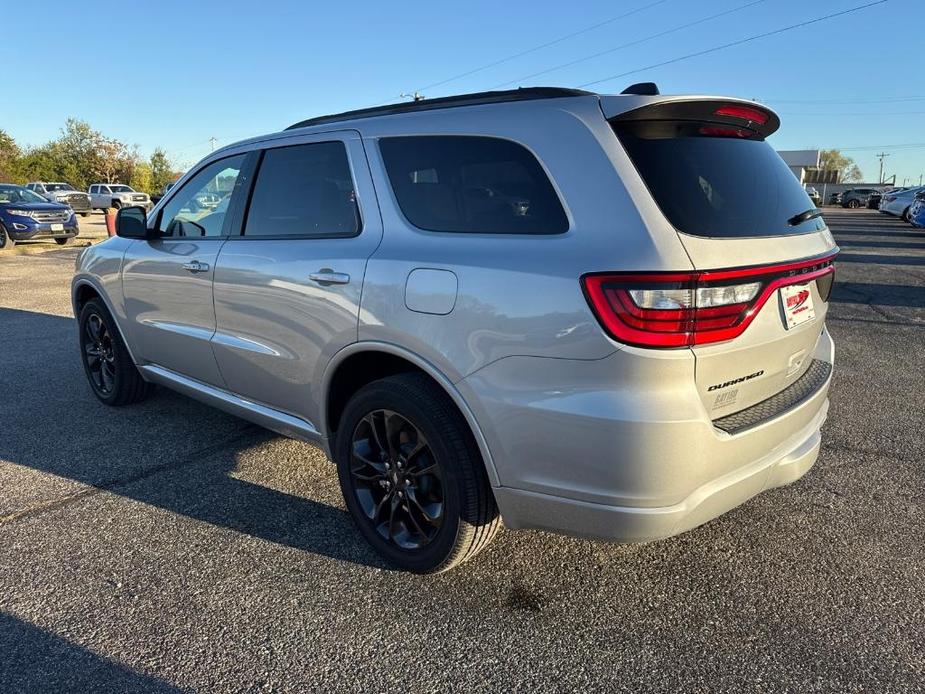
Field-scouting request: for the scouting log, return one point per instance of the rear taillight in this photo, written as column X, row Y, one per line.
column 753, row 115
column 680, row 309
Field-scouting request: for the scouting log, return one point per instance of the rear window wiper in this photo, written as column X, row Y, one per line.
column 804, row 216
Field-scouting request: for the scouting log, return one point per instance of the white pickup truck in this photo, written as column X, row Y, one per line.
column 106, row 195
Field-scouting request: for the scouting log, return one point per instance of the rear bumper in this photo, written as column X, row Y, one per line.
column 523, row 509
column 627, row 451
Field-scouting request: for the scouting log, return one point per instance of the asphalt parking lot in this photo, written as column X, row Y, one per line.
column 169, row 547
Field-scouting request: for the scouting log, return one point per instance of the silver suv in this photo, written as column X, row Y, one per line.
column 569, row 311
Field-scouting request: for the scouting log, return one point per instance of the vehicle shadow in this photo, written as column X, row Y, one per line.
column 35, row 660
column 169, row 451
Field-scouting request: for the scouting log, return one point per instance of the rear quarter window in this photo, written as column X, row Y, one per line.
column 470, row 184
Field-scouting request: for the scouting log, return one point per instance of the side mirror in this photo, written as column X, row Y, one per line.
column 132, row 223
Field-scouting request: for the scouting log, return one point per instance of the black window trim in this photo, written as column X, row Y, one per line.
column 230, row 216
column 475, row 234
column 246, row 206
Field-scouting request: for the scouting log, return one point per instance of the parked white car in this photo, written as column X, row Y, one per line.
column 900, row 202
column 64, row 193
column 106, row 195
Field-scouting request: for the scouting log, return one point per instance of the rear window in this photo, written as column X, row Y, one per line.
column 468, row 184
column 729, row 186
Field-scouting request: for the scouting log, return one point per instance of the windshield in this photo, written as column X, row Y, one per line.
column 121, row 189
column 715, row 182
column 58, row 186
column 18, row 194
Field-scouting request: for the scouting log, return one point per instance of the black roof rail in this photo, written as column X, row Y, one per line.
column 522, row 94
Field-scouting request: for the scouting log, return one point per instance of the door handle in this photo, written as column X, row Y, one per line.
column 196, row 266
column 327, row 276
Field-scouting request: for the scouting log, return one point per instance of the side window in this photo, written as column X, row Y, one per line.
column 199, row 208
column 93, row 190
column 479, row 185
column 304, row 190
column 105, row 190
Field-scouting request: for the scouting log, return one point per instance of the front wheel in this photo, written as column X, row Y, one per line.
column 906, row 216
column 854, row 204
column 412, row 477
column 107, row 363
column 85, row 214
column 6, row 241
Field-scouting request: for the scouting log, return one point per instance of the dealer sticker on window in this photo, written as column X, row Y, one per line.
column 797, row 301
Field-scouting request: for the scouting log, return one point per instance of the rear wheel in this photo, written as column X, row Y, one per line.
column 412, row 476
column 109, row 368
column 85, row 214
column 62, row 241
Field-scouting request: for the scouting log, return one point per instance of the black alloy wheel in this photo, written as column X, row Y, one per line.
column 112, row 374
column 99, row 355
column 396, row 479
column 6, row 242
column 412, row 475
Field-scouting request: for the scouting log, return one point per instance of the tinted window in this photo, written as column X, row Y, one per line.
column 716, row 186
column 200, row 206
column 471, row 184
column 304, row 190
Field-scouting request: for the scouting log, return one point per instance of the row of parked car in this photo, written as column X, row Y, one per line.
column 99, row 196
column 48, row 210
column 898, row 202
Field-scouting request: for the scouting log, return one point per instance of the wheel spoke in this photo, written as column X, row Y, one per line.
column 431, row 512
column 93, row 327
column 376, row 421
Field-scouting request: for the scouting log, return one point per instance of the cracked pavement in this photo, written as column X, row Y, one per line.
column 170, row 547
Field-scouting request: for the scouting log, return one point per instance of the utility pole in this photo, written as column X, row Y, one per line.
column 212, row 142
column 881, row 157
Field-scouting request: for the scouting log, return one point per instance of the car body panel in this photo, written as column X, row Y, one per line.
column 277, row 328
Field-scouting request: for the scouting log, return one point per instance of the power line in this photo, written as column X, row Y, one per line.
column 721, row 47
column 627, row 45
column 542, row 46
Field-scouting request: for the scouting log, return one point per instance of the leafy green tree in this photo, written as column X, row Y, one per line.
column 141, row 177
column 833, row 160
column 10, row 156
column 161, row 170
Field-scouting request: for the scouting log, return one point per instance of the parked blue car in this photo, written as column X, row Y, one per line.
column 25, row 216
column 917, row 211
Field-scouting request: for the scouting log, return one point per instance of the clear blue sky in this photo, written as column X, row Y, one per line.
column 174, row 74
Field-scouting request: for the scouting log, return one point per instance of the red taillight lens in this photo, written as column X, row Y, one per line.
column 743, row 112
column 683, row 309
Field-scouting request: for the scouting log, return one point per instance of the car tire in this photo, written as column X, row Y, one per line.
column 85, row 214
column 6, row 241
column 853, row 204
column 116, row 205
column 905, row 216
column 412, row 476
column 64, row 241
column 112, row 375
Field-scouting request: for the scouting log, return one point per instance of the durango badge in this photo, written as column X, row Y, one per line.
column 718, row 386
